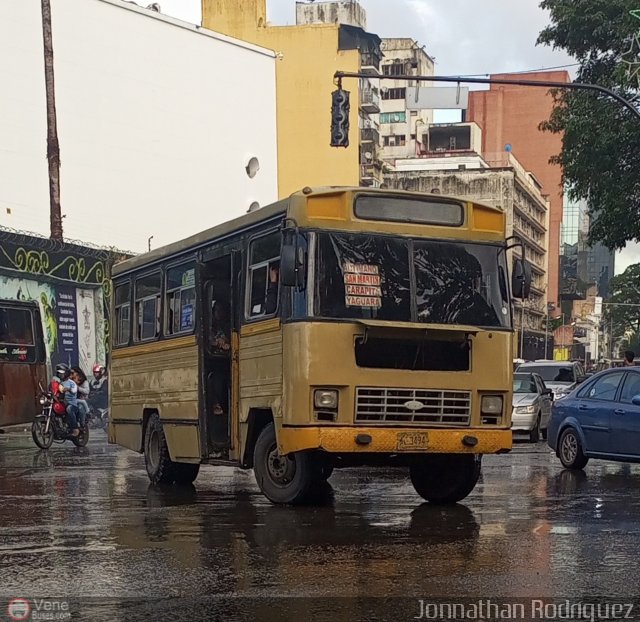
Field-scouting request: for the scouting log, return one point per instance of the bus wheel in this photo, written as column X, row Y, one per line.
column 282, row 479
column 160, row 468
column 445, row 478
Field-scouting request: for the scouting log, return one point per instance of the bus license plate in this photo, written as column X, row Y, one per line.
column 412, row 441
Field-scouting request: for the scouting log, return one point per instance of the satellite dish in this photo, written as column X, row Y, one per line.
column 253, row 207
column 508, row 148
column 252, row 168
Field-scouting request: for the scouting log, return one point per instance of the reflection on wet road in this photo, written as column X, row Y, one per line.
column 85, row 521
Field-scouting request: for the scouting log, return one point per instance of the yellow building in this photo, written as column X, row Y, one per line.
column 311, row 53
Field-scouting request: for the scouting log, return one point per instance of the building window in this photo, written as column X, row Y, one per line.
column 180, row 299
column 395, row 140
column 393, row 69
column 148, row 307
column 393, row 117
column 122, row 315
column 263, row 282
column 399, row 93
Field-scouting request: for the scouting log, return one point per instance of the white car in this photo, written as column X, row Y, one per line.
column 531, row 405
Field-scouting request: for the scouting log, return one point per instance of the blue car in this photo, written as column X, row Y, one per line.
column 598, row 419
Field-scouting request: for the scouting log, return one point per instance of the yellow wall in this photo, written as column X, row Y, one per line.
column 304, row 78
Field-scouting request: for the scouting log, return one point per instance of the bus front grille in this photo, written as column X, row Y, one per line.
column 416, row 406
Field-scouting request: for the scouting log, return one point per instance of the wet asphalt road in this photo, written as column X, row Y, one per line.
column 85, row 521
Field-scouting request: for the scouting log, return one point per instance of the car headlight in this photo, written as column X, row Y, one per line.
column 491, row 405
column 558, row 394
column 325, row 398
column 526, row 410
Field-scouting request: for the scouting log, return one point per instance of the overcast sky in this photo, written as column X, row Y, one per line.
column 466, row 37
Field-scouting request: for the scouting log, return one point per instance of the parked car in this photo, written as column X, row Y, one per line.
column 599, row 420
column 561, row 377
column 531, row 405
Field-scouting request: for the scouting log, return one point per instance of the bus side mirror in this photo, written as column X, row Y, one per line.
column 521, row 279
column 292, row 262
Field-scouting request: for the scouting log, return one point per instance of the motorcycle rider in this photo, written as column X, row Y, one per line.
column 79, row 377
column 69, row 389
column 99, row 377
column 98, row 385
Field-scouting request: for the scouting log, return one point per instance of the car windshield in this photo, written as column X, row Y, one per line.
column 554, row 373
column 524, row 383
column 379, row 277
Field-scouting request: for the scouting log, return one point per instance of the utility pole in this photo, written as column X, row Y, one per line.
column 53, row 146
column 550, row 307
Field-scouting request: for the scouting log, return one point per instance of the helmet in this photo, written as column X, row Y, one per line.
column 98, row 369
column 62, row 370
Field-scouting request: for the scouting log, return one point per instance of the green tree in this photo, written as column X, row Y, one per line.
column 600, row 155
column 623, row 315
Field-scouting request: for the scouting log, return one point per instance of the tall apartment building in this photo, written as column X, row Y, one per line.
column 497, row 179
column 582, row 266
column 327, row 36
column 510, row 116
column 401, row 129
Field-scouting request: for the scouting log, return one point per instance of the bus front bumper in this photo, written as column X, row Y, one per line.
column 394, row 440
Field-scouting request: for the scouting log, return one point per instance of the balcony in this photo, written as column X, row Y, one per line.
column 371, row 175
column 370, row 100
column 369, row 135
column 370, row 63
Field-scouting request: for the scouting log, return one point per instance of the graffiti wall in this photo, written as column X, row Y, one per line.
column 71, row 283
column 68, row 317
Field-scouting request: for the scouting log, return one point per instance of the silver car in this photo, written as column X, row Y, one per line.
column 531, row 405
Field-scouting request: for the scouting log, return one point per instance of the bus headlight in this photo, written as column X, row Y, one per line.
column 325, row 398
column 491, row 405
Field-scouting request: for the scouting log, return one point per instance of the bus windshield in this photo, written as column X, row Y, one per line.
column 361, row 276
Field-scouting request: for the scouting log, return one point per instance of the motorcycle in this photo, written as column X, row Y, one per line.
column 98, row 418
column 50, row 425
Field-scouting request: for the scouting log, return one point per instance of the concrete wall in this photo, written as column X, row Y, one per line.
column 310, row 57
column 157, row 120
column 512, row 115
column 348, row 12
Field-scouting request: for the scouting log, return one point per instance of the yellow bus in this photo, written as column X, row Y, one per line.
column 339, row 327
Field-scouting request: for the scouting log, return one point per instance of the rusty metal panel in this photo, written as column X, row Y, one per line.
column 19, row 391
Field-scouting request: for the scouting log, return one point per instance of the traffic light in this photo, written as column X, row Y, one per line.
column 340, row 118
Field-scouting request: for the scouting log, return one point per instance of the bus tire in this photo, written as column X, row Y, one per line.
column 284, row 480
column 445, row 478
column 185, row 473
column 160, row 468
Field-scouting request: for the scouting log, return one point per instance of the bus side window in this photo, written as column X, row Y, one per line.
column 147, row 325
column 180, row 299
column 122, row 315
column 263, row 275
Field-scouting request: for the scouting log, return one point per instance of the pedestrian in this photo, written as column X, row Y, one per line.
column 629, row 357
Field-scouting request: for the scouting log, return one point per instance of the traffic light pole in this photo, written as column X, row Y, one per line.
column 572, row 86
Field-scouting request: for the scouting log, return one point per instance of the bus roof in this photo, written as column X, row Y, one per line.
column 265, row 213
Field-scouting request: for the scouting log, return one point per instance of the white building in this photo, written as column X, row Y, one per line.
column 401, row 128
column 157, row 122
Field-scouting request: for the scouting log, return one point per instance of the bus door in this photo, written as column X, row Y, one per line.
column 218, row 353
